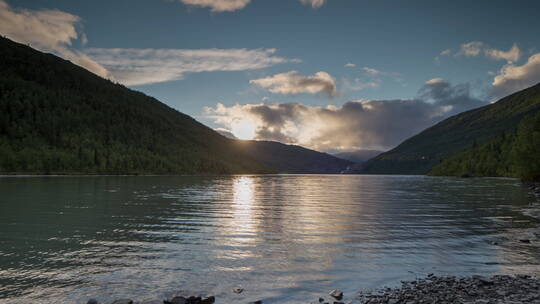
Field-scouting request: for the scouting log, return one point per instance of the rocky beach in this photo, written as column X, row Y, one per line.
column 498, row 289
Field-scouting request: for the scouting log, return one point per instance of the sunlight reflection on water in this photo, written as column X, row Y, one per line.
column 284, row 238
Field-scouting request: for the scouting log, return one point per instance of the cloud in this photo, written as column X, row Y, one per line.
column 145, row 66
column 49, row 31
column 512, row 78
column 360, row 124
column 359, row 84
column 511, row 55
column 294, row 83
column 372, row 78
column 473, row 48
column 350, row 65
column 372, row 71
column 313, row 3
column 476, row 48
column 219, row 5
column 445, row 52
column 225, row 133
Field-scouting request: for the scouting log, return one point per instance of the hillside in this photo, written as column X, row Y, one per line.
column 358, row 156
column 420, row 153
column 56, row 117
column 294, row 159
column 513, row 154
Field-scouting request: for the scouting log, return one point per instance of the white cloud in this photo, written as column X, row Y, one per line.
column 511, row 55
column 435, row 81
column 350, row 65
column 372, row 71
column 314, row 3
column 49, row 31
column 372, row 78
column 476, row 48
column 294, row 83
column 219, row 5
column 445, row 52
column 512, row 78
column 473, row 48
column 361, row 124
column 359, row 84
column 226, row 133
column 146, row 66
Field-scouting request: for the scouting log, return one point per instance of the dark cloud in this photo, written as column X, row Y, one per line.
column 364, row 124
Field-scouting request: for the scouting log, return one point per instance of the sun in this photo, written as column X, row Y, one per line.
column 243, row 129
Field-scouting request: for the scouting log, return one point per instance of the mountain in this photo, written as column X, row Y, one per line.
column 420, row 153
column 58, row 118
column 358, row 156
column 294, row 159
column 513, row 154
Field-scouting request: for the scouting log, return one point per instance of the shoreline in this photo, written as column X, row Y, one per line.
column 476, row 289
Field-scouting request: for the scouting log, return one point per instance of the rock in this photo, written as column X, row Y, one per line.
column 123, row 301
column 184, row 297
column 321, row 300
column 209, row 299
column 92, row 301
column 238, row 290
column 336, row 294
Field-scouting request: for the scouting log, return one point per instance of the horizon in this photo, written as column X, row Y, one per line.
column 329, row 76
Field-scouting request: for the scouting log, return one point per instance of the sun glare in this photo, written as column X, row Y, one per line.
column 244, row 129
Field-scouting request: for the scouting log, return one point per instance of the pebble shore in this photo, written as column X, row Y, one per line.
column 499, row 289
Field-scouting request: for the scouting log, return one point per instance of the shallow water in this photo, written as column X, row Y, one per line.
column 283, row 238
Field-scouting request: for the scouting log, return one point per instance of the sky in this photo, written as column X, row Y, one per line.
column 332, row 75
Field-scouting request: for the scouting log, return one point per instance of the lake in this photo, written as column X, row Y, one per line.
column 283, row 238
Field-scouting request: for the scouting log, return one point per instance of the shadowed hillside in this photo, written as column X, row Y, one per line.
column 515, row 154
column 294, row 159
column 420, row 153
column 56, row 117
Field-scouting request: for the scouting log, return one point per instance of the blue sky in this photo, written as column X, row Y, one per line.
column 393, row 49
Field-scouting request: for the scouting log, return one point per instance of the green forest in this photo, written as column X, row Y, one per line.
column 58, row 118
column 513, row 154
column 489, row 127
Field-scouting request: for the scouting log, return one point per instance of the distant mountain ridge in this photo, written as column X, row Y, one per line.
column 358, row 156
column 421, row 153
column 294, row 159
column 56, row 117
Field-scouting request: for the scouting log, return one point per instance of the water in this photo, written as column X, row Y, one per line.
column 283, row 238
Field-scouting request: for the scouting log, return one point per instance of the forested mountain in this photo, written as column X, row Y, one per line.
column 421, row 153
column 515, row 154
column 56, row 117
column 294, row 159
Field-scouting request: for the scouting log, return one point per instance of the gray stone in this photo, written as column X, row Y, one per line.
column 336, row 294
column 209, row 299
column 123, row 301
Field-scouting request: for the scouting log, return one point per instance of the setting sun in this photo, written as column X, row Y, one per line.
column 244, row 129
